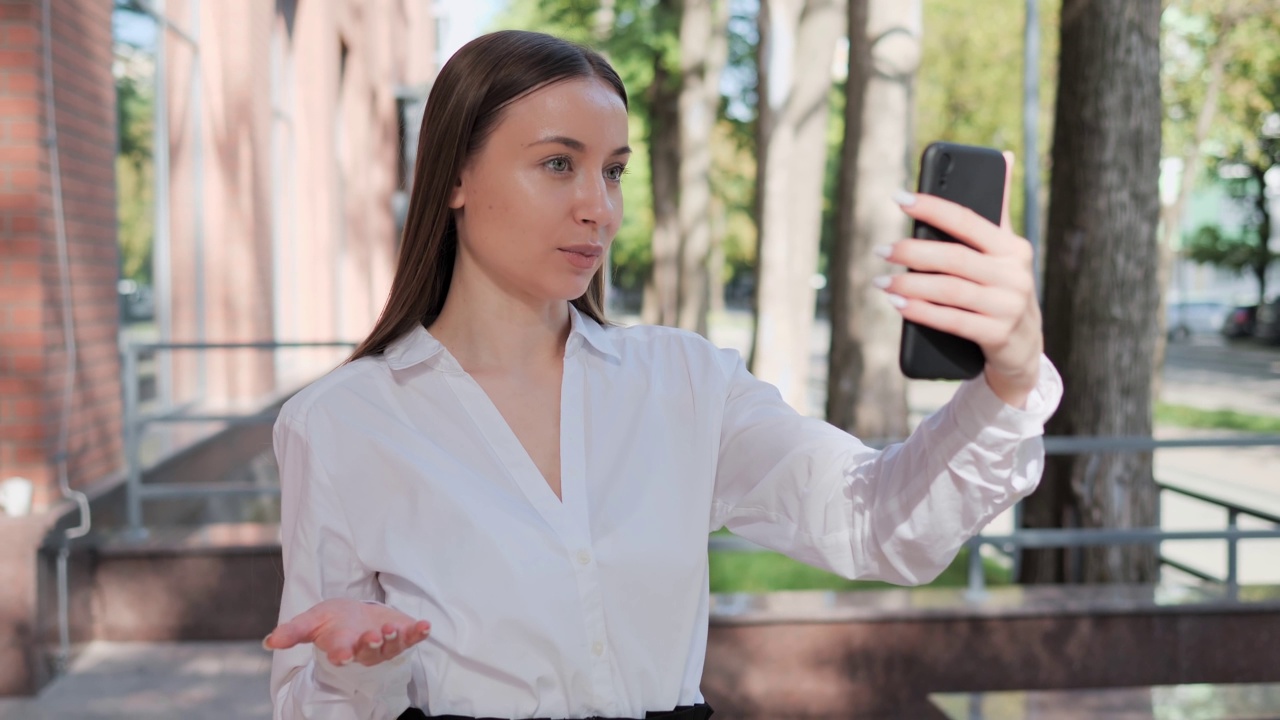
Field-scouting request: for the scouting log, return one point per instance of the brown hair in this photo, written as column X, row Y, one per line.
column 464, row 107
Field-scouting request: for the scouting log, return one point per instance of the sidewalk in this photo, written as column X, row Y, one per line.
column 155, row 681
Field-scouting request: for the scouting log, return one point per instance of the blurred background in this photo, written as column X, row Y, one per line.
column 200, row 209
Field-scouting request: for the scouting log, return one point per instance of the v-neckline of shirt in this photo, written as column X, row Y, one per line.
column 567, row 513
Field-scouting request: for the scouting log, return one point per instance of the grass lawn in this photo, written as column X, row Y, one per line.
column 766, row 571
column 1190, row 417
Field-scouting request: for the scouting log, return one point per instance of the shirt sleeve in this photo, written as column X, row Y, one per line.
column 320, row 562
column 807, row 489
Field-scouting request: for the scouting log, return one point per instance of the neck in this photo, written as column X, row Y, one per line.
column 488, row 330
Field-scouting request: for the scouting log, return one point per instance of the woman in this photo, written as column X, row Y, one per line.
column 499, row 508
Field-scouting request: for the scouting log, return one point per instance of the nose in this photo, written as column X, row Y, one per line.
column 595, row 203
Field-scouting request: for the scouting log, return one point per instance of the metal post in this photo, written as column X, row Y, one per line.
column 132, row 430
column 977, row 582
column 161, row 257
column 1030, row 131
column 1233, row 523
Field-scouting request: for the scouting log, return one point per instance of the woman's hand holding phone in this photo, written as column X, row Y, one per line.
column 350, row 630
column 982, row 290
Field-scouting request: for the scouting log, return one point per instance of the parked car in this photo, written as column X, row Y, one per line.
column 1241, row 321
column 1268, row 324
column 1200, row 317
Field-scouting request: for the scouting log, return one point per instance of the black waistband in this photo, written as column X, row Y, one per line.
column 701, row 711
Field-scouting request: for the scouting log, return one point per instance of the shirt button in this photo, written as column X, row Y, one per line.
column 597, row 649
column 584, row 557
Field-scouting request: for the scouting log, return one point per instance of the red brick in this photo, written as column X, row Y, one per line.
column 23, row 340
column 13, row 293
column 21, row 37
column 21, row 83
column 21, row 155
column 19, row 246
column 23, row 317
column 21, row 408
column 23, row 131
column 21, row 270
column 25, row 224
column 19, row 59
column 25, row 432
column 25, row 179
column 20, row 11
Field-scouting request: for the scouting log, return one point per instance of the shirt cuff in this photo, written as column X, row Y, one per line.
column 979, row 409
column 391, row 676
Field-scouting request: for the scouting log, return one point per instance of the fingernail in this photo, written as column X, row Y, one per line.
column 375, row 645
column 266, row 640
column 391, row 636
column 881, row 281
column 883, row 251
column 344, row 662
column 904, row 198
column 897, row 301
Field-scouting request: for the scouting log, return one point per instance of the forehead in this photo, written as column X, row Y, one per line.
column 581, row 108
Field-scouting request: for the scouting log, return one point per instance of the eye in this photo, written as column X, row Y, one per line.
column 615, row 173
column 558, row 164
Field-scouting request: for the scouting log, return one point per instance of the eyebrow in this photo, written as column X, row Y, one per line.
column 572, row 144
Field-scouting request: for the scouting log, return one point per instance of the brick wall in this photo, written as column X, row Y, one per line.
column 32, row 357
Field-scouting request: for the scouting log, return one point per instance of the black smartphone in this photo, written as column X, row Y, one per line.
column 972, row 177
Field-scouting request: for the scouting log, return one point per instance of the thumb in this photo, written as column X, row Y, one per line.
column 301, row 629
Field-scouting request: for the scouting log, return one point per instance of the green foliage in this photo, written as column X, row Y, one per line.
column 135, row 178
column 767, row 572
column 1210, row 246
column 1190, row 417
column 969, row 87
column 1246, row 131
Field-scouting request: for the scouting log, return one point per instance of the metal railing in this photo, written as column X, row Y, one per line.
column 135, row 423
column 138, row 492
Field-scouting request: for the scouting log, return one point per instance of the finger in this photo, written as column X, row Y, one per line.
column 988, row 332
column 936, row 256
column 954, row 292
column 1005, row 222
column 417, row 632
column 340, row 648
column 368, row 649
column 961, row 223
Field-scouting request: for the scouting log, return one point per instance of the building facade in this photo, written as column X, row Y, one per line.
column 275, row 161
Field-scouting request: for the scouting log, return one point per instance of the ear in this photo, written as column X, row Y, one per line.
column 458, row 196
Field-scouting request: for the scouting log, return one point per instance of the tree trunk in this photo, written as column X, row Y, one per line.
column 662, row 292
column 704, row 49
column 866, row 393
column 797, row 46
column 1263, row 208
column 1101, row 292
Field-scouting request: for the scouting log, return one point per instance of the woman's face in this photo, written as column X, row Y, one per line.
column 539, row 205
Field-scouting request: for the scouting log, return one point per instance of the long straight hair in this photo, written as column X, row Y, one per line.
column 465, row 105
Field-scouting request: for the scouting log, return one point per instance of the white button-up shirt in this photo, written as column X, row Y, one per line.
column 403, row 484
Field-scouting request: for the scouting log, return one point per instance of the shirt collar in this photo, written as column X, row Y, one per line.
column 590, row 331
column 413, row 347
column 418, row 345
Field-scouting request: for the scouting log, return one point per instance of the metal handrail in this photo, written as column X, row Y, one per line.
column 1091, row 537
column 135, row 491
column 1030, row 538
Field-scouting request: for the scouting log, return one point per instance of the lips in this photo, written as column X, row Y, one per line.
column 591, row 251
column 583, row 256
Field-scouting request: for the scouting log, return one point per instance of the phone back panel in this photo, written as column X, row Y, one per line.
column 969, row 176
